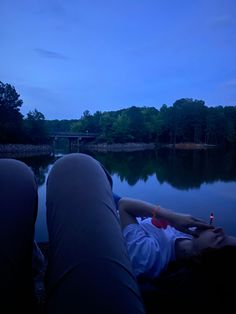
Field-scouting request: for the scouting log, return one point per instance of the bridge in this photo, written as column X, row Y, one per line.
column 78, row 135
column 74, row 137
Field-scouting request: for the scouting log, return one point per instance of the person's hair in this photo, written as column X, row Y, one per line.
column 203, row 282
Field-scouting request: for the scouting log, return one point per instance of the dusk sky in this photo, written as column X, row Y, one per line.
column 65, row 57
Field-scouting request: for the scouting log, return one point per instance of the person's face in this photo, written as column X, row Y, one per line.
column 210, row 238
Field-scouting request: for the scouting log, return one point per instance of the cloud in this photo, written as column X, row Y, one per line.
column 231, row 83
column 222, row 21
column 42, row 98
column 50, row 54
column 51, row 8
column 37, row 92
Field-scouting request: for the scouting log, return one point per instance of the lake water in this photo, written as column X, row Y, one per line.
column 196, row 182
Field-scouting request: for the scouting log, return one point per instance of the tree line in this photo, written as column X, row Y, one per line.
column 187, row 120
column 14, row 127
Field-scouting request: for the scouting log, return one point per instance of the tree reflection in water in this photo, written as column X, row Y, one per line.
column 185, row 171
column 182, row 169
column 40, row 166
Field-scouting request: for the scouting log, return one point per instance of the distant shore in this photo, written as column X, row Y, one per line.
column 190, row 146
column 27, row 150
column 24, row 150
column 118, row 147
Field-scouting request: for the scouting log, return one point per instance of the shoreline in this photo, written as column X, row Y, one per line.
column 129, row 147
column 118, row 147
column 24, row 150
column 28, row 150
column 190, row 146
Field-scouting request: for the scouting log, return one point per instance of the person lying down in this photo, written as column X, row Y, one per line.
column 162, row 238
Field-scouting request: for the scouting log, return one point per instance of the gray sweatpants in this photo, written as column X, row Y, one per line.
column 18, row 211
column 89, row 270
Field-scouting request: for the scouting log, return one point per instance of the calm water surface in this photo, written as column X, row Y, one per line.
column 196, row 182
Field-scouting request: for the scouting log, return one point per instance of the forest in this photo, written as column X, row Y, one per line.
column 187, row 120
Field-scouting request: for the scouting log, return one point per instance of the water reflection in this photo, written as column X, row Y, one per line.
column 186, row 181
column 190, row 169
column 40, row 166
column 181, row 169
column 129, row 166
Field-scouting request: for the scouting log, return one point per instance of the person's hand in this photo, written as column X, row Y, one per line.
column 183, row 222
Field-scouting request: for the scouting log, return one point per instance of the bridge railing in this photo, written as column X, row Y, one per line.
column 73, row 134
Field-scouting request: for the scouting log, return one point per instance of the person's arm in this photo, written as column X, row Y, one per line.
column 130, row 208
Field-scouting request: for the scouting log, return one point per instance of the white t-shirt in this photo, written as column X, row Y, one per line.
column 150, row 248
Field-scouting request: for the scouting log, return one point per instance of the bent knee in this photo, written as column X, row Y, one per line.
column 16, row 168
column 75, row 159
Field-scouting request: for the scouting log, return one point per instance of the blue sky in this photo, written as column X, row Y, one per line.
column 65, row 57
